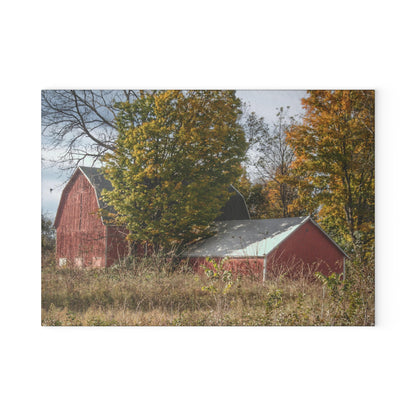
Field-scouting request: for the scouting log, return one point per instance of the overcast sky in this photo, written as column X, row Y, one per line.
column 263, row 102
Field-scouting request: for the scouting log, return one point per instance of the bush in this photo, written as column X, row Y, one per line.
column 48, row 241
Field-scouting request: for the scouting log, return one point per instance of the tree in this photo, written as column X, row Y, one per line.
column 47, row 238
column 80, row 124
column 334, row 150
column 271, row 160
column 174, row 158
column 254, row 195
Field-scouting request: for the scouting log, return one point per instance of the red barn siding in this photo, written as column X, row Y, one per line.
column 252, row 267
column 81, row 235
column 306, row 248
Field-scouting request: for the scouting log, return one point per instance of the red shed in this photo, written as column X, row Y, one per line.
column 266, row 248
column 83, row 238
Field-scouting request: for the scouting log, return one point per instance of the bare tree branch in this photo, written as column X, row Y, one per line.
column 270, row 155
column 80, row 124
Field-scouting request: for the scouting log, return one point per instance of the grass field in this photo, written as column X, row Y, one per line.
column 149, row 293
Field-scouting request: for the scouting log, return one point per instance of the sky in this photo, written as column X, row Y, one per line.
column 263, row 102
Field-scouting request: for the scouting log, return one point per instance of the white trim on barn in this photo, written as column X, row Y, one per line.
column 264, row 268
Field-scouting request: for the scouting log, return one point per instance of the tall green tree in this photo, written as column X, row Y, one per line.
column 174, row 158
column 334, row 157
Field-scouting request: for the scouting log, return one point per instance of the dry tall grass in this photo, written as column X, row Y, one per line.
column 151, row 293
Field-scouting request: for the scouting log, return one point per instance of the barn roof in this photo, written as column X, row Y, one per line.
column 247, row 238
column 98, row 181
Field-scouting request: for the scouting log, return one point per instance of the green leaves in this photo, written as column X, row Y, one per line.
column 175, row 156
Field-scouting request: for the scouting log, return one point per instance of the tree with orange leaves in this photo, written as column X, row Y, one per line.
column 334, row 148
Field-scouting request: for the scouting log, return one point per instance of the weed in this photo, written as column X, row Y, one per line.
column 151, row 293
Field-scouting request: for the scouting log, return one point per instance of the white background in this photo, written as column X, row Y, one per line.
column 207, row 371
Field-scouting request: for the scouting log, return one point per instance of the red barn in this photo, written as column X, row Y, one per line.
column 83, row 238
column 270, row 247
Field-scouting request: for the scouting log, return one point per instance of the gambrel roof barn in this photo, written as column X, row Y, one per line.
column 82, row 236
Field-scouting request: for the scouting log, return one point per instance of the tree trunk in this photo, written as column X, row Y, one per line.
column 132, row 248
